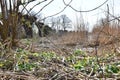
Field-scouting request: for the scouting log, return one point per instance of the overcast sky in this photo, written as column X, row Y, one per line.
column 90, row 17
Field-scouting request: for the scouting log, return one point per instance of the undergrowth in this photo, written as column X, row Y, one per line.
column 53, row 65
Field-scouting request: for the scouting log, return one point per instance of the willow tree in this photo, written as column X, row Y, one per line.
column 10, row 18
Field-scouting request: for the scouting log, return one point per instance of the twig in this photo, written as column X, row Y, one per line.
column 86, row 10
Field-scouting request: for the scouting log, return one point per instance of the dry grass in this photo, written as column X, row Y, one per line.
column 16, row 76
column 73, row 38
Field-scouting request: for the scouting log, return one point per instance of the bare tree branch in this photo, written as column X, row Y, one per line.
column 26, row 4
column 36, row 5
column 59, row 11
column 85, row 10
column 114, row 17
column 43, row 7
column 25, row 9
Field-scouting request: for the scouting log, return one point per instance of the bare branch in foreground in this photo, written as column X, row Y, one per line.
column 85, row 10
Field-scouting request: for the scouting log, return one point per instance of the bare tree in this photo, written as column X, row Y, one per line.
column 65, row 21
